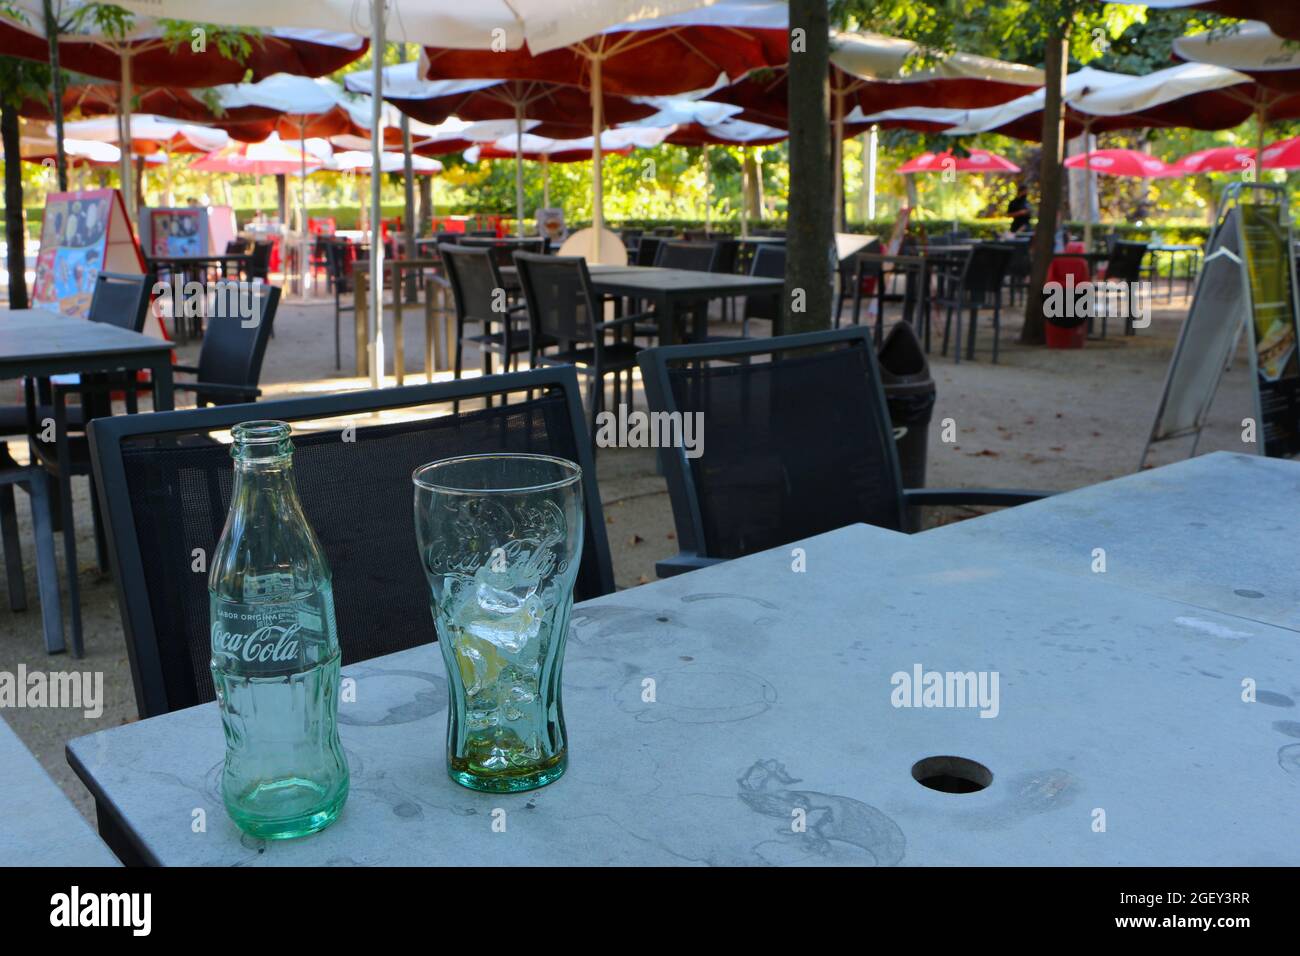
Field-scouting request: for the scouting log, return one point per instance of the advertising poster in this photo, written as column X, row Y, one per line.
column 177, row 232
column 82, row 234
column 1266, row 241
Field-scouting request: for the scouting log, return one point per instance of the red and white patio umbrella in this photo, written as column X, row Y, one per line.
column 662, row 55
column 978, row 161
column 557, row 110
column 1282, row 16
column 1217, row 159
column 362, row 163
column 271, row 157
column 1284, row 154
column 504, row 25
column 1131, row 163
column 138, row 49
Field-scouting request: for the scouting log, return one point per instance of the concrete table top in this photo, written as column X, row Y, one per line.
column 39, row 826
column 745, row 714
column 1220, row 531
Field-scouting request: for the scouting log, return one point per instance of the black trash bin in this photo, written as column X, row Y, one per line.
column 909, row 392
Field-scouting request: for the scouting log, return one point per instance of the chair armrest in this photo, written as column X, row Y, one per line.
column 215, row 388
column 683, row 562
column 917, row 497
column 193, row 369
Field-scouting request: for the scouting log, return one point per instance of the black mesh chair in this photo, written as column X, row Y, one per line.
column 481, row 298
column 647, row 250
column 692, row 256
column 564, row 309
column 795, row 441
column 769, row 262
column 230, row 359
column 259, row 264
column 165, row 481
column 237, row 247
column 973, row 284
column 1125, row 264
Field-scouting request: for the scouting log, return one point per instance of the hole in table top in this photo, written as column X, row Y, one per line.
column 951, row 774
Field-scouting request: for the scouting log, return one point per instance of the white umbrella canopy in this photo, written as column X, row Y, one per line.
column 148, row 129
column 360, row 161
column 1253, row 48
column 674, row 110
column 544, row 24
column 611, row 141
column 484, row 24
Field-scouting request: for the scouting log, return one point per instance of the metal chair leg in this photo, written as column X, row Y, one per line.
column 13, row 550
column 47, row 571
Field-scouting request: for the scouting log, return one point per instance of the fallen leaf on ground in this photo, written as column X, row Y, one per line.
column 635, row 539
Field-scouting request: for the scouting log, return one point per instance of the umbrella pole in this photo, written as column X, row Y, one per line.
column 837, row 152
column 872, row 147
column 519, row 169
column 708, row 188
column 546, row 181
column 375, row 314
column 304, row 257
column 597, row 167
column 1091, row 180
column 124, row 138
column 747, row 189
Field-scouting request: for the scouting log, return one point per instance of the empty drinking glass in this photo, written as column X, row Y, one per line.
column 500, row 540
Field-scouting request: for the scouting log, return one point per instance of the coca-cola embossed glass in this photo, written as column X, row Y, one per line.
column 500, row 540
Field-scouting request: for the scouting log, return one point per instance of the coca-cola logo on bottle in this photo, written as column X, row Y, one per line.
column 269, row 643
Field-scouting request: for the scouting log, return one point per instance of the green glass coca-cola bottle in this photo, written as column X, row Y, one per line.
column 275, row 650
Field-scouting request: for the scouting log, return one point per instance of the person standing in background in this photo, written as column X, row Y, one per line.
column 1021, row 213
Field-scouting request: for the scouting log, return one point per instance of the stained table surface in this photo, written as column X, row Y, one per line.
column 749, row 713
column 1220, row 531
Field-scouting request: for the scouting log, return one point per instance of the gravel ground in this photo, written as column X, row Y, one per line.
column 1039, row 419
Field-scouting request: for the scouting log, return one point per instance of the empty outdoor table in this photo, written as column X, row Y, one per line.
column 39, row 826
column 1218, row 531
column 745, row 714
column 666, row 289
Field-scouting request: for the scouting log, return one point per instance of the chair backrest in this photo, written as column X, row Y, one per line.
column 164, row 481
column 986, row 268
column 692, row 256
column 1125, row 262
column 772, row 470
column 121, row 300
column 476, row 285
column 560, row 300
column 259, row 265
column 321, row 225
column 235, row 341
column 236, row 247
column 647, row 250
column 769, row 262
column 726, row 254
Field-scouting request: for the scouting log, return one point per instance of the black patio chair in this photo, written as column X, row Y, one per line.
column 230, row 359
column 796, row 441
column 973, row 284
column 481, row 297
column 564, row 309
column 692, row 256
column 1126, row 264
column 339, row 258
column 165, row 481
column 769, row 262
column 259, row 265
column 237, row 247
column 647, row 250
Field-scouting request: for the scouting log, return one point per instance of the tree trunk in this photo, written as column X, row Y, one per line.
column 809, row 229
column 15, row 230
column 282, row 198
column 426, row 205
column 56, row 95
column 1050, row 176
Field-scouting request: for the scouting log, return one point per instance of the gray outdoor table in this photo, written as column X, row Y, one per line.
column 40, row 343
column 1219, row 531
column 742, row 714
column 666, row 289
column 39, row 826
